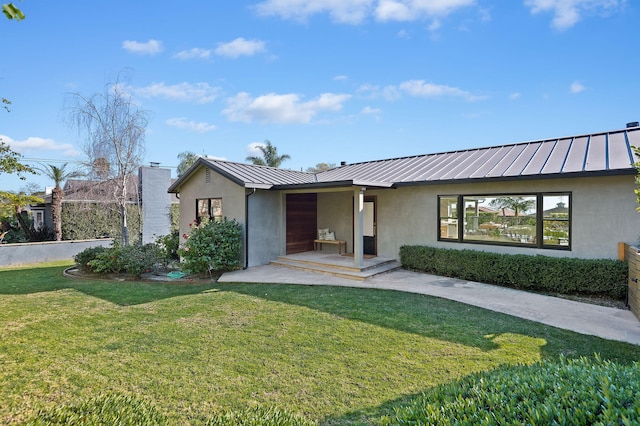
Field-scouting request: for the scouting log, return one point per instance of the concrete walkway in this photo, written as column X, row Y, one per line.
column 584, row 318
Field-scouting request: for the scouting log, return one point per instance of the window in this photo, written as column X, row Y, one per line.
column 530, row 220
column 449, row 217
column 210, row 208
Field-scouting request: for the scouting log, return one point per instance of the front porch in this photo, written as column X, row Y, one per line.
column 338, row 265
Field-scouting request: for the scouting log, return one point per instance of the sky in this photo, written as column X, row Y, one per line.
column 325, row 81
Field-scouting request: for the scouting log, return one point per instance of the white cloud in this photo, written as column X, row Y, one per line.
column 253, row 150
column 419, row 88
column 567, row 13
column 356, row 11
column 240, row 47
column 416, row 88
column 341, row 78
column 199, row 92
column 275, row 108
column 194, row 53
column 344, row 11
column 182, row 123
column 403, row 34
column 434, row 25
column 514, row 96
column 577, row 87
column 370, row 111
column 373, row 112
column 37, row 145
column 150, row 47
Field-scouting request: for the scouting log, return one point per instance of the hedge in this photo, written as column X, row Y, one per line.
column 567, row 392
column 602, row 277
column 82, row 221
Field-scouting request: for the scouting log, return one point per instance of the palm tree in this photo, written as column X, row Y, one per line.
column 187, row 158
column 58, row 175
column 269, row 157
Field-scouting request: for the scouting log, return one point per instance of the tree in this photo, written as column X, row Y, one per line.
column 187, row 158
column 114, row 128
column 12, row 12
column 16, row 202
column 269, row 157
column 517, row 204
column 9, row 159
column 321, row 167
column 9, row 162
column 58, row 175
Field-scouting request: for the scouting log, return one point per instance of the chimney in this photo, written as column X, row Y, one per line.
column 154, row 164
column 343, row 163
column 633, row 124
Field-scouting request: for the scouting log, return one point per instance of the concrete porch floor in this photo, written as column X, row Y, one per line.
column 338, row 265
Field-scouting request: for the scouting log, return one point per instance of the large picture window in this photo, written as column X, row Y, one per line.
column 540, row 220
column 210, row 208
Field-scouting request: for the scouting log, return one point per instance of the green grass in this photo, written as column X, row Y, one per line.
column 336, row 355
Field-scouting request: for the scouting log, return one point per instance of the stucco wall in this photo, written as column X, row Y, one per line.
column 48, row 251
column 603, row 214
column 603, row 210
column 265, row 226
column 197, row 187
column 335, row 211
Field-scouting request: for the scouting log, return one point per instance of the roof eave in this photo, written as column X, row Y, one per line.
column 572, row 175
column 335, row 184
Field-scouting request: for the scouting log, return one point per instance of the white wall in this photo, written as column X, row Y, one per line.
column 46, row 251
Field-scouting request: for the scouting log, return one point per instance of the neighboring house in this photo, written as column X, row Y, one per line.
column 378, row 206
column 149, row 186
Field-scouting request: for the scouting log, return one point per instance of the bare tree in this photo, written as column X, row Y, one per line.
column 114, row 128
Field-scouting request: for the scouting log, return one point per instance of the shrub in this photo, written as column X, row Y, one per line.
column 83, row 258
column 258, row 416
column 108, row 261
column 568, row 392
column 169, row 245
column 138, row 259
column 604, row 277
column 134, row 259
column 212, row 246
column 101, row 410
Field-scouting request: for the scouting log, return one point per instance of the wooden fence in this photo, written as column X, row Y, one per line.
column 631, row 255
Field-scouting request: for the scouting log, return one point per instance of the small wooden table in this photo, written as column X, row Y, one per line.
column 339, row 243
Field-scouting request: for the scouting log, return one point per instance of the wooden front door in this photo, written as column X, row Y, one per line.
column 302, row 219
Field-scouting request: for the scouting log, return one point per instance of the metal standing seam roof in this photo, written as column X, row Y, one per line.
column 594, row 154
column 607, row 153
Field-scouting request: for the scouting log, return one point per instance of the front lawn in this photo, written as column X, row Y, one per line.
column 332, row 354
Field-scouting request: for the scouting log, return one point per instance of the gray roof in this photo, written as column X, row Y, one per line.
column 608, row 153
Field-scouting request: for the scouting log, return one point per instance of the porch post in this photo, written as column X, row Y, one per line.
column 358, row 227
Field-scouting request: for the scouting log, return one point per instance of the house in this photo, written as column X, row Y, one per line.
column 440, row 200
column 147, row 190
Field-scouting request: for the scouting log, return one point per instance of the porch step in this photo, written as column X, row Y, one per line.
column 342, row 271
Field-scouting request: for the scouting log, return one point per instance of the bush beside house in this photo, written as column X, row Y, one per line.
column 601, row 277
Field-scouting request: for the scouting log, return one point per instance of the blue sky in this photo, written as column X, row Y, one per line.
column 323, row 80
